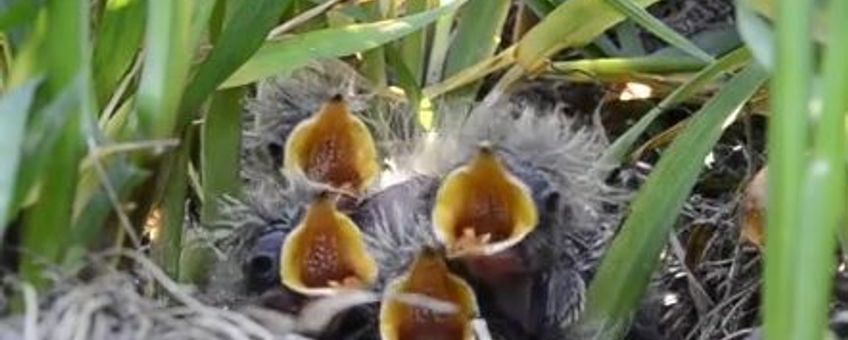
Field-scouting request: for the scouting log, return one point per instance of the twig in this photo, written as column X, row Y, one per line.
column 102, row 152
column 302, row 18
column 113, row 196
column 30, row 312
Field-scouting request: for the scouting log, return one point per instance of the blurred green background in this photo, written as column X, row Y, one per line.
column 114, row 109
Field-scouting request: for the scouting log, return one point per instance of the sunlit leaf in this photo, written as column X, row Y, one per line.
column 626, row 269
column 284, row 55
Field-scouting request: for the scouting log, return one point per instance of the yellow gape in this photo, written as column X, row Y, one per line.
column 326, row 253
column 333, row 147
column 482, row 209
column 430, row 277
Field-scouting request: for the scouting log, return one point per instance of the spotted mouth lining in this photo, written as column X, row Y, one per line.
column 482, row 209
column 333, row 147
column 326, row 253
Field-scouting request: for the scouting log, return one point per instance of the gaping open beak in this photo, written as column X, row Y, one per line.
column 333, row 147
column 429, row 277
column 482, row 209
column 326, row 253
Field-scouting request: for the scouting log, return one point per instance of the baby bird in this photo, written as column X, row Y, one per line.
column 430, row 277
column 333, row 147
column 325, row 253
column 511, row 197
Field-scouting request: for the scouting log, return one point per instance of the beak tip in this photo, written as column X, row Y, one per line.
column 485, row 147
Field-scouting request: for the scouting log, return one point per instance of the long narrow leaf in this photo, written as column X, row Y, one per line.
column 574, row 23
column 281, row 56
column 243, row 35
column 47, row 224
column 477, row 36
column 617, row 151
column 221, row 142
column 14, row 110
column 118, row 41
column 787, row 136
column 412, row 47
column 820, row 210
column 165, row 67
column 173, row 187
column 657, row 27
column 627, row 267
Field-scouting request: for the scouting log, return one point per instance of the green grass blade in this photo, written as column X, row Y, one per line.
column 46, row 233
column 572, row 24
column 540, row 7
column 616, row 153
column 756, row 33
column 165, row 66
column 478, row 33
column 801, row 241
column 374, row 60
column 221, row 145
column 412, row 47
column 626, row 269
column 787, row 141
column 628, row 67
column 281, row 56
column 173, row 186
column 14, row 111
column 439, row 48
column 96, row 205
column 831, row 130
column 242, row 36
column 629, row 38
column 118, row 41
column 14, row 13
column 40, row 142
column 652, row 24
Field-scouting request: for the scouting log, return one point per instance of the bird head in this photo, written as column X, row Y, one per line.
column 481, row 208
column 428, row 302
column 333, row 147
column 325, row 253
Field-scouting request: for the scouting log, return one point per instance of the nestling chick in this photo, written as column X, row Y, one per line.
column 430, row 277
column 325, row 253
column 522, row 220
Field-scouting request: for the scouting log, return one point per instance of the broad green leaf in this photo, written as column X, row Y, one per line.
column 47, row 223
column 615, row 154
column 172, row 185
column 628, row 67
column 46, row 233
column 629, row 37
column 40, row 142
column 14, row 111
column 16, row 12
column 823, row 198
column 166, row 63
column 756, row 33
column 626, row 269
column 540, row 7
column 652, row 24
column 118, row 41
column 96, row 205
column 790, row 172
column 374, row 60
column 478, row 34
column 572, row 24
column 439, row 45
column 412, row 47
column 241, row 37
column 221, row 145
column 284, row 55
